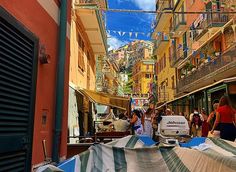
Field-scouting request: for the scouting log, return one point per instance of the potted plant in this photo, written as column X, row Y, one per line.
column 189, row 66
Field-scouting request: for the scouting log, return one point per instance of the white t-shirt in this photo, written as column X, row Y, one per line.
column 121, row 125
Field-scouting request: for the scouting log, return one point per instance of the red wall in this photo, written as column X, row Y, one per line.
column 32, row 15
column 198, row 5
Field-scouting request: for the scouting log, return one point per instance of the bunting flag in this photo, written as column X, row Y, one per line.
column 208, row 58
column 202, row 55
column 214, row 62
column 130, row 34
column 186, row 49
column 179, row 46
column 172, row 41
column 121, row 33
column 153, row 25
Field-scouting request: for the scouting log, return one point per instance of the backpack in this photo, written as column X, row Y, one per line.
column 196, row 119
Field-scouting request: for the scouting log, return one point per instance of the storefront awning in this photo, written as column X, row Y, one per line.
column 106, row 99
column 226, row 80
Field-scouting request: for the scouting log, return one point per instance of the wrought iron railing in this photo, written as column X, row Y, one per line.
column 163, row 5
column 177, row 57
column 161, row 37
column 87, row 2
column 207, row 69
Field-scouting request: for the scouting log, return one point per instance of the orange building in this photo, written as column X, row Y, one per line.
column 203, row 54
column 34, row 82
column 88, row 42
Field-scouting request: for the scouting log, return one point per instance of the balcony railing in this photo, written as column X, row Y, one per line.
column 212, row 20
column 163, row 18
column 178, row 56
column 162, row 37
column 98, row 3
column 164, row 5
column 208, row 68
column 87, row 2
column 161, row 42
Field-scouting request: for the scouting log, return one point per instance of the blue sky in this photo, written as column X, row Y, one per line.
column 120, row 22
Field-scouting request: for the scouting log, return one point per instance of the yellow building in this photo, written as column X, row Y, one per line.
column 197, row 52
column 87, row 41
column 143, row 76
column 168, row 35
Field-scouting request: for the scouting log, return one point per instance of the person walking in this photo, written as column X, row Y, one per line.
column 195, row 123
column 225, row 116
column 147, row 126
column 205, row 125
column 211, row 120
column 136, row 122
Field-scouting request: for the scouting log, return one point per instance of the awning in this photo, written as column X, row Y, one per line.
column 227, row 80
column 106, row 99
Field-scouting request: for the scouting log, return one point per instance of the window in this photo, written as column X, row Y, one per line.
column 147, row 76
column 81, row 64
column 173, row 82
column 164, row 65
column 88, row 55
column 170, row 54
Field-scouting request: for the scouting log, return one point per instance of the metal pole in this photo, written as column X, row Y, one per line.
column 60, row 82
column 160, row 12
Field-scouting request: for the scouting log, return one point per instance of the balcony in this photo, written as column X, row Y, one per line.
column 179, row 26
column 92, row 19
column 177, row 58
column 98, row 3
column 221, row 67
column 163, row 19
column 208, row 26
column 161, row 43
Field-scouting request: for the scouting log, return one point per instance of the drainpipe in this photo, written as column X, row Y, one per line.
column 60, row 81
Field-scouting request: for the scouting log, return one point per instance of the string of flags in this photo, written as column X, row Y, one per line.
column 130, row 33
column 154, row 35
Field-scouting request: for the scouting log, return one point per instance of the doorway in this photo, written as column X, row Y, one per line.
column 18, row 74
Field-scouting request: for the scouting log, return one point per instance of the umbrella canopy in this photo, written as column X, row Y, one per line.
column 131, row 154
column 49, row 168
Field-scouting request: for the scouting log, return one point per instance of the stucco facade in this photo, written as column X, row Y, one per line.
column 42, row 19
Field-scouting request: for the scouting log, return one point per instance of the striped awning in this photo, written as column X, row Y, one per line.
column 106, row 99
column 130, row 154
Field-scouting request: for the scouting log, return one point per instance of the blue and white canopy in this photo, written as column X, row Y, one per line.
column 134, row 154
